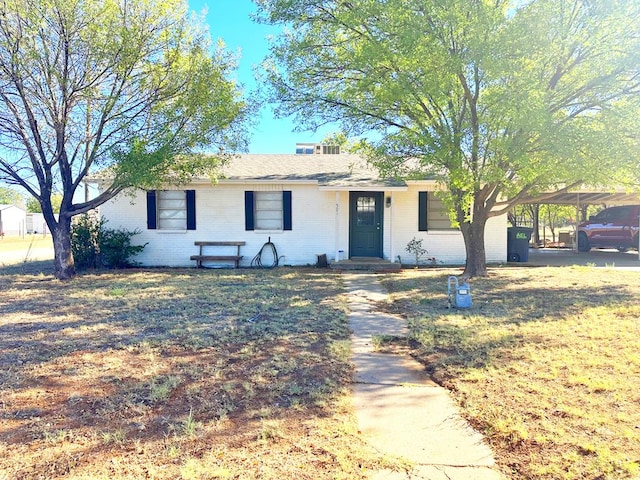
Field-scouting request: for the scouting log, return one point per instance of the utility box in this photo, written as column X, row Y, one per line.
column 518, row 239
column 459, row 293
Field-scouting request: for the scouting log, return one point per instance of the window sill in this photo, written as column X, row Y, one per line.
column 170, row 232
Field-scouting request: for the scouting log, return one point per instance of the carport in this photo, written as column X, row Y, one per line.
column 582, row 198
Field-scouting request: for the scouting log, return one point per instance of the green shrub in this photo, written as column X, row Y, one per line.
column 85, row 235
column 116, row 249
column 95, row 246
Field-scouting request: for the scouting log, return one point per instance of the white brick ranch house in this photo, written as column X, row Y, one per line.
column 308, row 205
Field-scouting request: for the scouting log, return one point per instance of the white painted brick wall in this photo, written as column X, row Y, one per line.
column 320, row 226
column 446, row 246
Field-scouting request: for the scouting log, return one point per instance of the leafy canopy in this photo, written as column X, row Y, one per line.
column 9, row 196
column 132, row 86
column 488, row 96
column 496, row 99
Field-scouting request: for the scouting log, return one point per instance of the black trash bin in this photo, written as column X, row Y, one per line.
column 518, row 243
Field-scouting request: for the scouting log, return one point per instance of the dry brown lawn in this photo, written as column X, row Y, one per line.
column 244, row 374
column 546, row 364
column 170, row 374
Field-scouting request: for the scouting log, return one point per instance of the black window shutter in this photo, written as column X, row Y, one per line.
column 422, row 211
column 286, row 210
column 151, row 210
column 191, row 209
column 248, row 210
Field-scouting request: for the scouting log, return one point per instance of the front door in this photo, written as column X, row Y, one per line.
column 365, row 224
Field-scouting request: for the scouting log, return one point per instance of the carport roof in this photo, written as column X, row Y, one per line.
column 587, row 197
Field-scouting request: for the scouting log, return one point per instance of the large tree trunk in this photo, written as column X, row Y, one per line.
column 473, row 234
column 63, row 255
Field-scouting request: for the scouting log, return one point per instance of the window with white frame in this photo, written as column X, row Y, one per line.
column 172, row 210
column 432, row 213
column 268, row 211
column 438, row 214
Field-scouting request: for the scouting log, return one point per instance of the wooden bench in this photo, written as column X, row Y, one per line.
column 217, row 258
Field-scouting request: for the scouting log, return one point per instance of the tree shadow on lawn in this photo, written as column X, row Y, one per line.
column 111, row 360
column 445, row 339
column 528, row 296
column 37, row 267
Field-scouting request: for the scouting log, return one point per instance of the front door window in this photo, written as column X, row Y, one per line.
column 366, row 211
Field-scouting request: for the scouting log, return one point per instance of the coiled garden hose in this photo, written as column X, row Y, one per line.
column 257, row 260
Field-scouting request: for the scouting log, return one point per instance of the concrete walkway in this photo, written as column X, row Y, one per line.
column 400, row 411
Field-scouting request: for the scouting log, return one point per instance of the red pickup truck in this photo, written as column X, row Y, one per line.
column 614, row 227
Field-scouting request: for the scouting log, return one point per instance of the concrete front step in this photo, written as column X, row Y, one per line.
column 366, row 264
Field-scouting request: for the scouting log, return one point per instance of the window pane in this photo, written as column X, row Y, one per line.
column 619, row 214
column 175, row 214
column 172, row 224
column 271, row 215
column 172, row 210
column 268, row 211
column 267, row 224
column 268, row 196
column 365, row 211
column 437, row 214
column 172, row 194
column 172, row 205
column 269, row 205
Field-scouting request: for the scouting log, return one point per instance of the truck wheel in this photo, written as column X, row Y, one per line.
column 583, row 242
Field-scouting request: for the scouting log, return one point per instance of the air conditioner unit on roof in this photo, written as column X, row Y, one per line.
column 316, row 149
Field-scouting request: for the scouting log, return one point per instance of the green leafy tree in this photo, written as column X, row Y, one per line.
column 127, row 87
column 548, row 216
column 498, row 100
column 9, row 196
column 33, row 205
column 557, row 216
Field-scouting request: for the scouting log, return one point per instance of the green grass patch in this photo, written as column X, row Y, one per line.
column 546, row 364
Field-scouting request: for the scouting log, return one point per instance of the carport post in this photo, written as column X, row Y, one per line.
column 577, row 222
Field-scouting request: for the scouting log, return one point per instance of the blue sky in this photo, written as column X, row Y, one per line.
column 230, row 21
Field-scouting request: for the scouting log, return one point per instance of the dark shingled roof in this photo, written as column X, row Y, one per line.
column 327, row 170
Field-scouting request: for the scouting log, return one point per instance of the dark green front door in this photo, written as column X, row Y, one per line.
column 365, row 224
